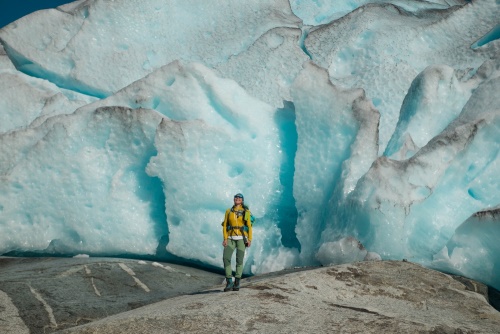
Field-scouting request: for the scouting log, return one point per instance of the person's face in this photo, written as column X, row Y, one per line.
column 238, row 200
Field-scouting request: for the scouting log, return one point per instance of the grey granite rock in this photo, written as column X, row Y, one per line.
column 43, row 295
column 365, row 297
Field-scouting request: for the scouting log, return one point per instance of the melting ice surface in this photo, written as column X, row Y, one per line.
column 360, row 131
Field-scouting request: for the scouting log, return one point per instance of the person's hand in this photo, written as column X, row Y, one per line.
column 249, row 243
column 224, row 243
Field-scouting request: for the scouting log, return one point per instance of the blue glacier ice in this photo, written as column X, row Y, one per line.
column 362, row 131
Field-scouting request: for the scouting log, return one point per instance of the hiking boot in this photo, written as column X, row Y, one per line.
column 236, row 286
column 229, row 284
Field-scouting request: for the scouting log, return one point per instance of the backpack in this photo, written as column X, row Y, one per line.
column 252, row 218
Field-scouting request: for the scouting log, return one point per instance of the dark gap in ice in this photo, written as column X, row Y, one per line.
column 494, row 297
column 302, row 44
column 165, row 256
column 473, row 194
column 286, row 211
column 150, row 190
column 491, row 36
column 408, row 110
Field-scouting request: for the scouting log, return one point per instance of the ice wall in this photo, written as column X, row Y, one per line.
column 473, row 249
column 134, row 39
column 382, row 48
column 329, row 122
column 453, row 174
column 359, row 131
column 77, row 183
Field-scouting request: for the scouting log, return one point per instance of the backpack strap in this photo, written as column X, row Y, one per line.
column 229, row 227
column 245, row 209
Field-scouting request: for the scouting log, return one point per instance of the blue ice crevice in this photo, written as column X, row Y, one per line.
column 491, row 36
column 286, row 211
column 33, row 69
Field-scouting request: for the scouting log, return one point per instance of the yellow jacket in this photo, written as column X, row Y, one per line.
column 234, row 219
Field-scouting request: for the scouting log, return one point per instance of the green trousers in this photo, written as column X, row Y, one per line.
column 239, row 245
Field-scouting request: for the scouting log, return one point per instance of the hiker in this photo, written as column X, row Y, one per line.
column 237, row 233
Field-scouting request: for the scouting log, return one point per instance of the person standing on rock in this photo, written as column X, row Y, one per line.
column 237, row 234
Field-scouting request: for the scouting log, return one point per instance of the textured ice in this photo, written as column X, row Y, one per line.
column 5, row 63
column 317, row 12
column 361, row 131
column 263, row 71
column 454, row 174
column 230, row 139
column 45, row 100
column 328, row 121
column 77, row 184
column 375, row 47
column 473, row 250
column 436, row 97
column 133, row 39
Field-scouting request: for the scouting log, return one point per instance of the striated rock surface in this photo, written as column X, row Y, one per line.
column 47, row 295
column 366, row 297
column 43, row 295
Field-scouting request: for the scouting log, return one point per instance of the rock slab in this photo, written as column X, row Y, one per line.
column 44, row 295
column 365, row 297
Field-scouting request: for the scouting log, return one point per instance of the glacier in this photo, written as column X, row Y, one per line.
column 359, row 130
